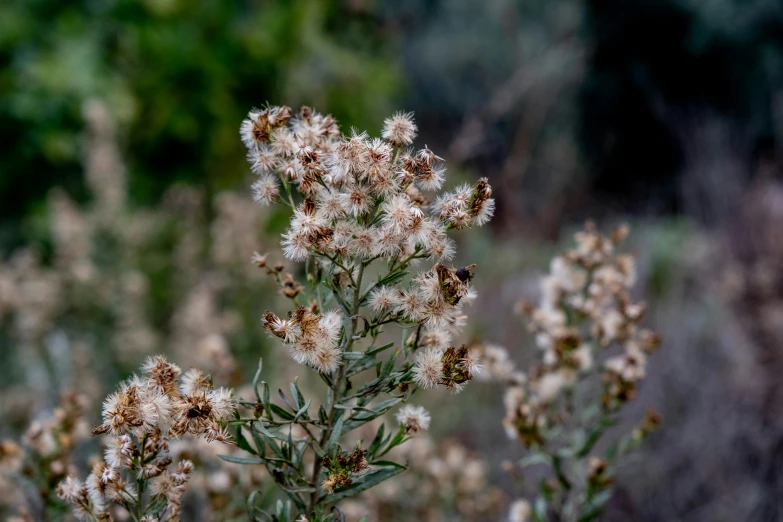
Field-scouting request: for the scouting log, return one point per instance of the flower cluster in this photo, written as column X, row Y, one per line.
column 142, row 417
column 363, row 199
column 342, row 468
column 450, row 368
column 585, row 309
column 592, row 355
column 361, row 207
column 312, row 337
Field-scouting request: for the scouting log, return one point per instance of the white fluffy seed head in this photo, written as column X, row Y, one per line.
column 400, row 129
column 413, row 418
column 428, row 370
column 265, row 190
column 382, row 298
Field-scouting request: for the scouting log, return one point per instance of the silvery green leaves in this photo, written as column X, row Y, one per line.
column 287, row 438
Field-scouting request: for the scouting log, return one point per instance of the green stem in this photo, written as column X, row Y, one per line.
column 140, row 480
column 339, row 385
column 287, row 185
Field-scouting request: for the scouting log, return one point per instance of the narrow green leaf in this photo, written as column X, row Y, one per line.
column 389, row 366
column 242, row 460
column 270, row 439
column 302, row 410
column 337, row 430
column 297, row 489
column 286, row 401
column 280, row 412
column 257, row 376
column 258, row 440
column 243, row 443
column 594, row 436
column 373, row 351
column 361, row 366
column 388, row 464
column 396, row 441
column 375, row 445
column 368, row 414
column 267, row 402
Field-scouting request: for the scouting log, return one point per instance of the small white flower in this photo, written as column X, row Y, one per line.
column 414, row 418
column 223, row 403
column 428, row 370
column 262, row 159
column 382, row 298
column 296, row 245
column 265, row 190
column 400, row 129
column 519, row 511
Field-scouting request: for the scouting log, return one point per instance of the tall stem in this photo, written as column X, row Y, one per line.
column 139, row 480
column 339, row 385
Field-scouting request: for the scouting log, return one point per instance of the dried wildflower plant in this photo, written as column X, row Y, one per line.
column 137, row 477
column 592, row 355
column 44, row 457
column 362, row 208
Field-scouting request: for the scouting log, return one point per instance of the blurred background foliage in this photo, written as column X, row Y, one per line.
column 178, row 77
column 668, row 113
column 571, row 105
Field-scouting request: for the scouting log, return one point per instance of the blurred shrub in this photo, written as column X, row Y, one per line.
column 179, row 77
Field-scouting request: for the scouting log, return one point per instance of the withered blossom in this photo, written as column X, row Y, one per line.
column 141, row 418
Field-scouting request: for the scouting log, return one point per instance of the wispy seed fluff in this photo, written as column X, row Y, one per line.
column 428, row 370
column 312, row 338
column 399, row 130
column 265, row 190
column 413, row 418
column 158, row 401
column 383, row 298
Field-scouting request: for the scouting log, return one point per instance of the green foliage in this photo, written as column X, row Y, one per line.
column 178, row 76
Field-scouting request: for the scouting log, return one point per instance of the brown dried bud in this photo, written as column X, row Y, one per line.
column 481, row 193
column 620, row 233
column 453, row 282
column 291, row 287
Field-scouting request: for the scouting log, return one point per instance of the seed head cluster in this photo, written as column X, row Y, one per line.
column 585, row 314
column 157, row 400
column 343, row 468
column 311, row 337
column 364, row 196
column 141, row 418
column 362, row 199
column 450, row 368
